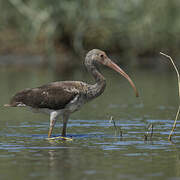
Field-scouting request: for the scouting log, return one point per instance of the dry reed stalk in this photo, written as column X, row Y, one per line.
column 178, row 78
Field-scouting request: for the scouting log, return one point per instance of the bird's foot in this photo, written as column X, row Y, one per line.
column 60, row 138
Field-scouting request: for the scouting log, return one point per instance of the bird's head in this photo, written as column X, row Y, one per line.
column 97, row 56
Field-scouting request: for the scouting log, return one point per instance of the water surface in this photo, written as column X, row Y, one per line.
column 97, row 150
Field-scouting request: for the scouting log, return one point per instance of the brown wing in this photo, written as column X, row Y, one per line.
column 53, row 96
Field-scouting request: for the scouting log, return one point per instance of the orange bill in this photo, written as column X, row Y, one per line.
column 115, row 67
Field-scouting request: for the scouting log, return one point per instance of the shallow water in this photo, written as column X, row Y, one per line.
column 97, row 150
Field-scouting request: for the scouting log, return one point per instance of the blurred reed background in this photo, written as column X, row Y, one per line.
column 58, row 33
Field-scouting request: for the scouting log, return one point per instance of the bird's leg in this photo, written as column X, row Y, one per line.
column 53, row 117
column 65, row 120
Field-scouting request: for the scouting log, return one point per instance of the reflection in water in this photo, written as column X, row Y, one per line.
column 96, row 152
column 51, row 158
column 177, row 164
column 177, row 158
column 59, row 163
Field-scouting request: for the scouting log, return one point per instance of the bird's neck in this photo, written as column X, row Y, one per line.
column 97, row 88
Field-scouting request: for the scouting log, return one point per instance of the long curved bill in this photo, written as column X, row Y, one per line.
column 114, row 66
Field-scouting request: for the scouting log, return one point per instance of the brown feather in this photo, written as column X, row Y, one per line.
column 54, row 95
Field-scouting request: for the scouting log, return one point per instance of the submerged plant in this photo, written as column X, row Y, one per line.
column 149, row 131
column 117, row 128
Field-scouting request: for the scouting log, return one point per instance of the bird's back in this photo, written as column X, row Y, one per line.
column 54, row 95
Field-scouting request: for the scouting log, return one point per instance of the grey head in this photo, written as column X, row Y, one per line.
column 97, row 56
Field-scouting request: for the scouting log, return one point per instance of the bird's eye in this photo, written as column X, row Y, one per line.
column 101, row 55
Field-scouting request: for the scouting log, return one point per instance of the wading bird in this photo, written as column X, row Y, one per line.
column 65, row 97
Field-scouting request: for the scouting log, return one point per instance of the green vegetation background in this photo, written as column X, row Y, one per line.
column 64, row 30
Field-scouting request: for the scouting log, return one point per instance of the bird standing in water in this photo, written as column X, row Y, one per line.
column 65, row 97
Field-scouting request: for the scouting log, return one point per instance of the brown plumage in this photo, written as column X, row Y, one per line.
column 66, row 97
column 54, row 95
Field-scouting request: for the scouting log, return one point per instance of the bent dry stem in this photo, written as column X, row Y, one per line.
column 177, row 114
